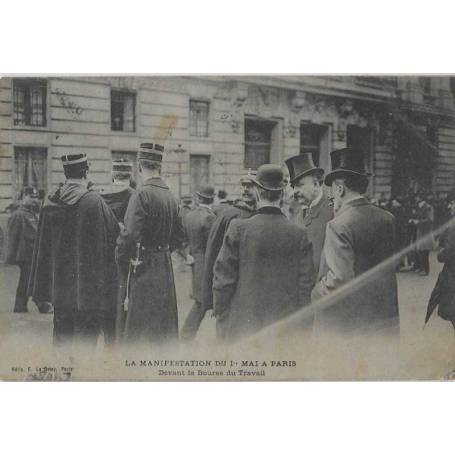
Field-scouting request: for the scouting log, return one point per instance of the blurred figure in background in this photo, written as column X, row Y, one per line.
column 222, row 204
column 443, row 295
column 21, row 233
column 197, row 227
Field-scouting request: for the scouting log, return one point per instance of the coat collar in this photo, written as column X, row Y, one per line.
column 269, row 210
column 155, row 181
column 357, row 202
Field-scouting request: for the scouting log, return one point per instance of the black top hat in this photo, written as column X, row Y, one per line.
column 247, row 178
column 270, row 177
column 71, row 160
column 207, row 192
column 346, row 161
column 301, row 165
column 151, row 152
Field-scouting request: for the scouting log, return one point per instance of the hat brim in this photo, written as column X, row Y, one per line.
column 331, row 176
column 256, row 182
column 312, row 171
column 206, row 196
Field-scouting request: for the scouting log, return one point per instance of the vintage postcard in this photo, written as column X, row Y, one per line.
column 227, row 228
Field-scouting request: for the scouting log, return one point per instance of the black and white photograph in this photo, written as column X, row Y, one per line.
column 222, row 227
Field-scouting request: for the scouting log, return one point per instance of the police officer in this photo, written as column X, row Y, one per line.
column 152, row 230
column 21, row 233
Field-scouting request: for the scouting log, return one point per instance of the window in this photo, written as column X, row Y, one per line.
column 30, row 168
column 123, row 106
column 425, row 84
column 311, row 138
column 29, row 102
column 130, row 156
column 199, row 118
column 258, row 134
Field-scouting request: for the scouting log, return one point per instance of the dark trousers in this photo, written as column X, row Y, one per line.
column 82, row 326
column 193, row 321
column 423, row 262
column 20, row 304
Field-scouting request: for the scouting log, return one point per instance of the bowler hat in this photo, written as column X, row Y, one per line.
column 270, row 177
column 29, row 191
column 151, row 152
column 301, row 165
column 346, row 161
column 207, row 192
column 187, row 198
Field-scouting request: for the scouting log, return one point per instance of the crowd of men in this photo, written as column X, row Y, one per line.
column 102, row 262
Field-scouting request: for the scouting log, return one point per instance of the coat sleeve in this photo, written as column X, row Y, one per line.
column 339, row 257
column 225, row 271
column 306, row 275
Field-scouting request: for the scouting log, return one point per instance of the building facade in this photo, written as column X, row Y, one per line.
column 216, row 127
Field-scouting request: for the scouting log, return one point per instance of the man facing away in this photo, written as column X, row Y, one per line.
column 21, row 233
column 73, row 263
column 264, row 271
column 241, row 209
column 119, row 196
column 197, row 227
column 117, row 200
column 315, row 212
column 360, row 237
column 152, row 230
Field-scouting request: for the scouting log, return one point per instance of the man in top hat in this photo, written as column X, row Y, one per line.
column 73, row 263
column 264, row 270
column 121, row 191
column 21, row 233
column 315, row 211
column 361, row 236
column 197, row 227
column 153, row 229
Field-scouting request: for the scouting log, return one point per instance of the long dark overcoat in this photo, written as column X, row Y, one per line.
column 263, row 273
column 360, row 237
column 73, row 260
column 198, row 223
column 151, row 219
column 315, row 220
column 443, row 295
column 214, row 243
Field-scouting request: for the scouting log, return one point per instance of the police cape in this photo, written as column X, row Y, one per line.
column 73, row 261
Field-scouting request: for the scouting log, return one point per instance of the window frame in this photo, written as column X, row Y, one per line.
column 17, row 186
column 208, row 123
column 270, row 124
column 123, row 92
column 29, row 84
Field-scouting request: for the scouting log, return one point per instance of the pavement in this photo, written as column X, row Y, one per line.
column 20, row 332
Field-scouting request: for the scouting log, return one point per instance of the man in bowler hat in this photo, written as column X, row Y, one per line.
column 264, row 271
column 197, row 226
column 315, row 211
column 360, row 237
